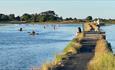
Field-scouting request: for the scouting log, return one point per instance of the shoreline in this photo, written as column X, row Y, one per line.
column 50, row 22
column 68, row 51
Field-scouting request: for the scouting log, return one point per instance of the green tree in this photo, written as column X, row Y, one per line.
column 34, row 17
column 89, row 18
column 4, row 17
column 75, row 19
column 60, row 18
column 26, row 17
column 48, row 16
column 69, row 18
column 11, row 17
column 52, row 13
column 42, row 18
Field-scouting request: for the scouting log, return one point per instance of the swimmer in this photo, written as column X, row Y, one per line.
column 20, row 29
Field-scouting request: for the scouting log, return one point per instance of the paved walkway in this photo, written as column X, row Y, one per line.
column 80, row 60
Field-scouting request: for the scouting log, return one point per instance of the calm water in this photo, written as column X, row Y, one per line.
column 110, row 34
column 19, row 50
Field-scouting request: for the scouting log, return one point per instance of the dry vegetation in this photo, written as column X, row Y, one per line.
column 103, row 58
column 89, row 26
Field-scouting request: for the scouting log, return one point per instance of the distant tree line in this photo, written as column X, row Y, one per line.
column 46, row 16
column 42, row 17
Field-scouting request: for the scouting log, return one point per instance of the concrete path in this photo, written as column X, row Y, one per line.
column 80, row 60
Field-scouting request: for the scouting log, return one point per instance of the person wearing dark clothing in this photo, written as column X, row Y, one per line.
column 20, row 29
column 98, row 26
column 79, row 29
column 33, row 32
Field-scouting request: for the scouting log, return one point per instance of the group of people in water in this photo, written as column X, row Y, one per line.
column 34, row 33
column 54, row 27
column 31, row 33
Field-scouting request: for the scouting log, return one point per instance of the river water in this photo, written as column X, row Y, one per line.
column 22, row 51
column 110, row 35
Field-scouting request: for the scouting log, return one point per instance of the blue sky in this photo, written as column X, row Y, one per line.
column 65, row 8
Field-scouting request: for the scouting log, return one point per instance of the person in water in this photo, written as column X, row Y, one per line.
column 33, row 32
column 44, row 27
column 54, row 27
column 20, row 29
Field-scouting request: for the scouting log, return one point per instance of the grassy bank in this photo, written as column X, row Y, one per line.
column 71, row 48
column 103, row 58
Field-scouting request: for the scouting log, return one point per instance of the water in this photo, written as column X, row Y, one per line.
column 19, row 50
column 110, row 35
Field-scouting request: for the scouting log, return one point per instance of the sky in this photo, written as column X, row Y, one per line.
column 64, row 8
